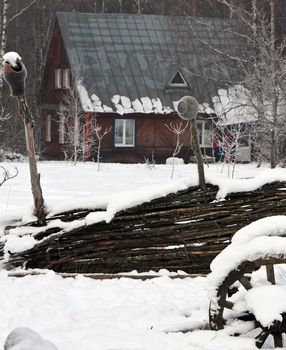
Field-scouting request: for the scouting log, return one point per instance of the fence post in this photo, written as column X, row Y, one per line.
column 15, row 74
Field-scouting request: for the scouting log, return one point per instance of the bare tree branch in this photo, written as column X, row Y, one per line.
column 21, row 12
column 7, row 175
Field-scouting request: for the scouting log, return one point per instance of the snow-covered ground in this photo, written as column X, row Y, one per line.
column 62, row 182
column 120, row 314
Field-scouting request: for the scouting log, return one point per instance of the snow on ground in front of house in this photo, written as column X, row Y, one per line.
column 66, row 184
column 118, row 314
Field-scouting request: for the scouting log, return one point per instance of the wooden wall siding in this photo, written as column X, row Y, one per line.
column 171, row 232
column 52, row 149
column 56, row 58
column 152, row 137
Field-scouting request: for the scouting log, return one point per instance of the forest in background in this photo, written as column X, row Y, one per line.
column 26, row 27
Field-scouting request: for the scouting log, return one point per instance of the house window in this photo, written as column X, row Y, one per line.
column 204, row 133
column 62, row 78
column 62, row 130
column 124, row 133
column 48, row 136
column 66, row 78
column 58, row 78
column 178, row 80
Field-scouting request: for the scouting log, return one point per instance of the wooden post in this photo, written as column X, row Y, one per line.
column 39, row 208
column 15, row 74
column 198, row 154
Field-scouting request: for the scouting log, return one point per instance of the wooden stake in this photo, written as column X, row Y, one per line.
column 198, row 154
column 39, row 208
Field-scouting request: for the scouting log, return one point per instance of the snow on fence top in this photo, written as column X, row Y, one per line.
column 227, row 186
column 106, row 207
column 127, row 199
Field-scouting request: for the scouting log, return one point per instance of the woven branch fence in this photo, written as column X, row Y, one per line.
column 182, row 231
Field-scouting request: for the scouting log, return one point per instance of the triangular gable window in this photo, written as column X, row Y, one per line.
column 178, row 80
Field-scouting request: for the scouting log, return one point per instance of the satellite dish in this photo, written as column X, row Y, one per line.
column 188, row 108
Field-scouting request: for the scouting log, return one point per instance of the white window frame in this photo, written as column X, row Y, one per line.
column 58, row 78
column 66, row 78
column 123, row 144
column 62, row 78
column 48, row 136
column 203, row 128
column 62, row 130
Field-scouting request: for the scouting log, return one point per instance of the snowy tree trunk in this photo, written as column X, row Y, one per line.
column 258, row 80
column 120, row 6
column 273, row 153
column 76, row 137
column 3, row 36
column 98, row 154
column 139, row 6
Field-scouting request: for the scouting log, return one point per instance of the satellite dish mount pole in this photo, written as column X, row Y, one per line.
column 188, row 109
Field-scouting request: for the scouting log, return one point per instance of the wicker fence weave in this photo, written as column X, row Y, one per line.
column 182, row 231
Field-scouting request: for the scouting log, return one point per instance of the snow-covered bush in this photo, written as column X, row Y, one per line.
column 175, row 160
column 11, row 156
column 24, row 338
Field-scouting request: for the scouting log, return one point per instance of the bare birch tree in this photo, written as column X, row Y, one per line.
column 71, row 130
column 5, row 21
column 97, row 134
column 261, row 69
column 177, row 129
column 3, row 36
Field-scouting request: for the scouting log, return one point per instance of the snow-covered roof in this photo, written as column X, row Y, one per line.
column 126, row 61
column 233, row 106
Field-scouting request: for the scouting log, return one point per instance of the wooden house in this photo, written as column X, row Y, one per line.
column 127, row 72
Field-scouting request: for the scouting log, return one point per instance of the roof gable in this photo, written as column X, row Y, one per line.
column 178, row 80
